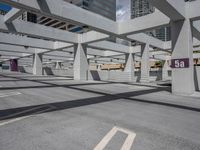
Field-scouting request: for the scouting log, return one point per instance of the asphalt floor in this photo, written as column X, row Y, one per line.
column 59, row 113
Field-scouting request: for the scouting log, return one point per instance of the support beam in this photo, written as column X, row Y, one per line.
column 145, row 66
column 144, row 23
column 192, row 9
column 25, row 41
column 39, row 31
column 144, row 38
column 58, row 65
column 129, row 66
column 37, row 64
column 182, row 78
column 65, row 12
column 19, row 49
column 174, row 9
column 5, row 53
column 81, row 65
column 165, row 68
column 106, row 45
column 13, row 14
column 92, row 36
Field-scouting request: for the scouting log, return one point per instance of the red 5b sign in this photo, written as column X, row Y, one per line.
column 180, row 63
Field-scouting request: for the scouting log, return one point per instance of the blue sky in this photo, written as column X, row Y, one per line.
column 4, row 7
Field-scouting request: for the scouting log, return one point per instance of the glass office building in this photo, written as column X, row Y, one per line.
column 142, row 7
column 105, row 8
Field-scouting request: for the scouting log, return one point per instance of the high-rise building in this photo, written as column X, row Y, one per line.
column 105, row 8
column 140, row 8
column 143, row 7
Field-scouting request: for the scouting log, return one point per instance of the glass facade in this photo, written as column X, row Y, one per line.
column 105, row 8
column 142, row 7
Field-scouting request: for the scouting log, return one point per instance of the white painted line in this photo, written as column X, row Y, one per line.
column 9, row 94
column 127, row 144
column 106, row 139
column 13, row 120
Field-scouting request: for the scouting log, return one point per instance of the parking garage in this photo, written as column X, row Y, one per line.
column 74, row 79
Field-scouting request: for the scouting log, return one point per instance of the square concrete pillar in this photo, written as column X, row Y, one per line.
column 165, row 68
column 182, row 47
column 129, row 66
column 14, row 65
column 58, row 65
column 145, row 64
column 81, row 65
column 37, row 64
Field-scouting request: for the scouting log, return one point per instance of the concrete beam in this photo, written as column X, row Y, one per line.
column 92, row 36
column 13, row 14
column 16, row 49
column 66, row 12
column 95, row 52
column 25, row 41
column 144, row 38
column 174, row 9
column 107, row 45
column 37, row 64
column 112, row 54
column 38, row 31
column 144, row 23
column 4, row 53
column 192, row 10
column 59, row 54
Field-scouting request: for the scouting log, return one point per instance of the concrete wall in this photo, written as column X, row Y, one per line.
column 58, row 72
column 25, row 69
column 155, row 75
column 120, row 76
column 48, row 71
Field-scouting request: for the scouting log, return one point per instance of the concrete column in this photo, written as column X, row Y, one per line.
column 145, row 64
column 13, row 65
column 1, row 69
column 37, row 64
column 129, row 66
column 182, row 46
column 58, row 65
column 98, row 67
column 81, row 64
column 165, row 69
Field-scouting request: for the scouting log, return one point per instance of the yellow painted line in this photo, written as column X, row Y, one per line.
column 126, row 145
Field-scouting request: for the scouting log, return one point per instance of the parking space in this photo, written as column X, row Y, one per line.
column 94, row 115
